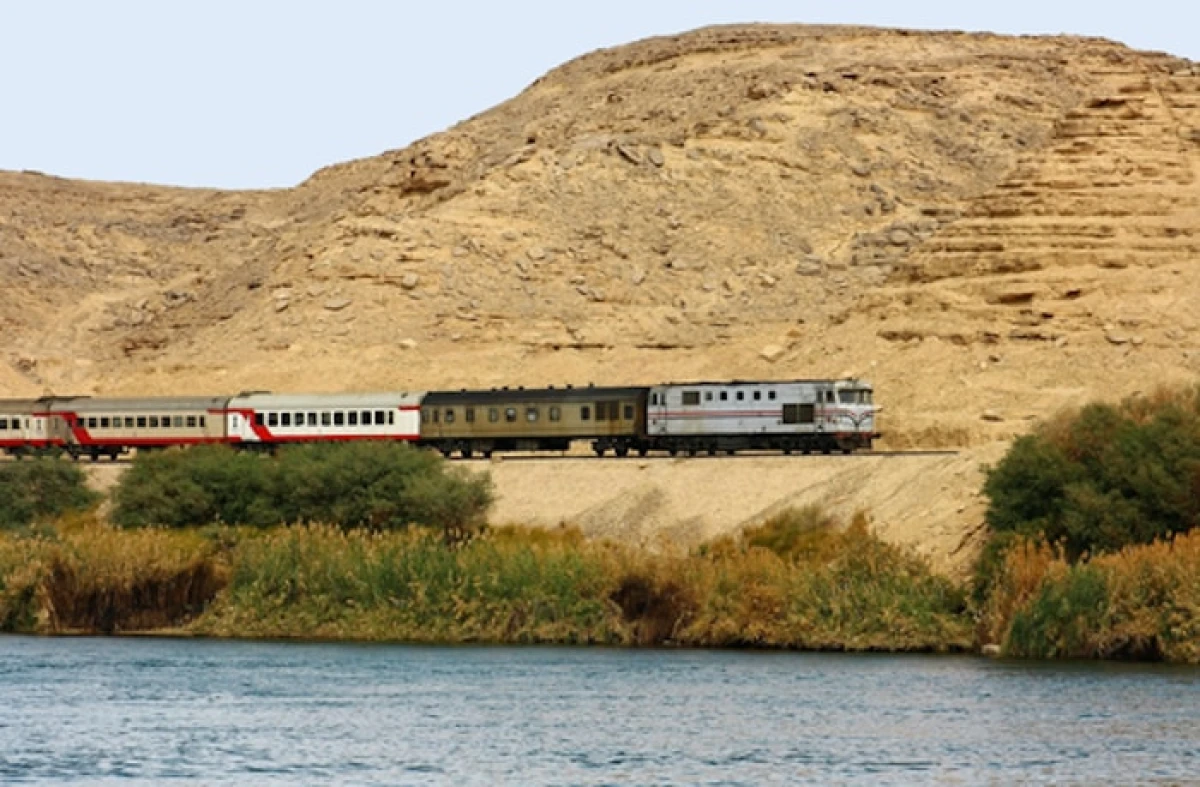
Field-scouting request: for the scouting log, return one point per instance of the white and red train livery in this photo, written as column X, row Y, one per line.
column 272, row 419
column 802, row 415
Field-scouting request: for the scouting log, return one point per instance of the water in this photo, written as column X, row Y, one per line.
column 153, row 711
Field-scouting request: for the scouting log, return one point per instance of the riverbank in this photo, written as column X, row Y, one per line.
column 795, row 587
column 852, row 592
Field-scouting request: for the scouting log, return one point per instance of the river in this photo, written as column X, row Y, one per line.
column 152, row 711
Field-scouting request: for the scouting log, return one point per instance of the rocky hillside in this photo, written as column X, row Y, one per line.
column 987, row 227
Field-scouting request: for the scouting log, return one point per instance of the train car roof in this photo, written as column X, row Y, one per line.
column 18, row 404
column 38, row 403
column 508, row 395
column 324, row 400
column 147, row 404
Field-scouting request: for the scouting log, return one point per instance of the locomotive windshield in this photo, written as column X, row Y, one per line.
column 855, row 396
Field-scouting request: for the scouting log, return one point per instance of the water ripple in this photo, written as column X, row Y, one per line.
column 152, row 711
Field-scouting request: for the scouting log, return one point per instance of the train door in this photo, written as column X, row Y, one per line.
column 657, row 412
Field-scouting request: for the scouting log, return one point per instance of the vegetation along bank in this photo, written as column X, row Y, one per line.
column 1093, row 553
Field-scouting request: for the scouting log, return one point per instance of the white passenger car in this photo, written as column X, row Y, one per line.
column 274, row 419
column 802, row 415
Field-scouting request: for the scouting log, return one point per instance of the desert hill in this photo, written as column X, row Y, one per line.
column 987, row 227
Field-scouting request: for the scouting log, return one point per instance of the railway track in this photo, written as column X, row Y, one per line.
column 590, row 457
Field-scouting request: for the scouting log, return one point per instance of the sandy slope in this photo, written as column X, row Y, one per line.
column 987, row 227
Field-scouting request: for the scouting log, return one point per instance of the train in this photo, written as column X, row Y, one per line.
column 801, row 416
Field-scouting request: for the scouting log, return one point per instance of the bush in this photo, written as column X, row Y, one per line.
column 1105, row 477
column 41, row 489
column 196, row 486
column 376, row 485
column 1142, row 602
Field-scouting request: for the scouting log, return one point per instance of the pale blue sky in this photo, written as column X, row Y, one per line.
column 256, row 94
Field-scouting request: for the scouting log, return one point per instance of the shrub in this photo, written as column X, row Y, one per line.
column 1141, row 602
column 194, row 486
column 377, row 485
column 42, row 489
column 1105, row 477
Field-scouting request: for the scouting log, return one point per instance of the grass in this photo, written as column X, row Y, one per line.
column 86, row 577
column 817, row 586
column 1142, row 602
column 800, row 581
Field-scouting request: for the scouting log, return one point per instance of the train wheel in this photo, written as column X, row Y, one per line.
column 643, row 451
column 673, row 451
column 622, row 451
column 466, row 452
column 712, row 450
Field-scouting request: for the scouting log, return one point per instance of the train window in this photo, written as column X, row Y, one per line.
column 531, row 414
column 493, row 414
column 724, row 396
column 424, row 416
column 741, row 395
column 165, row 422
column 846, row 397
column 585, row 413
column 771, row 395
column 285, row 419
column 653, row 398
column 365, row 417
column 708, row 396
column 272, row 419
column 3, row 423
column 129, row 422
column 757, row 396
column 798, row 413
column 298, row 419
column 141, row 422
column 326, row 418
column 628, row 412
column 380, row 417
column 691, row 397
column 601, row 411
column 191, row 421
column 258, row 419
column 312, row 419
column 555, row 413
column 469, row 414
column 352, row 418
column 437, row 416
column 450, row 415
column 202, row 421
column 339, row 418
column 391, row 417
column 92, row 423
column 154, row 422
column 177, row 421
column 510, row 414
column 105, row 421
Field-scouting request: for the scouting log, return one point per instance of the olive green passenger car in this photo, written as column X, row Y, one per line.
column 533, row 419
